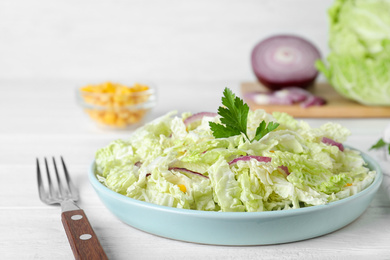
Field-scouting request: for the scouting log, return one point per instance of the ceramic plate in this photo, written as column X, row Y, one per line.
column 238, row 228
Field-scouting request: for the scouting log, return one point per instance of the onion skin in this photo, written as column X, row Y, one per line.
column 286, row 96
column 198, row 117
column 284, row 169
column 187, row 171
column 249, row 157
column 277, row 86
column 313, row 101
column 284, row 61
column 329, row 141
column 138, row 164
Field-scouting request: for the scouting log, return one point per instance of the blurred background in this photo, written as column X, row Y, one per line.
column 161, row 41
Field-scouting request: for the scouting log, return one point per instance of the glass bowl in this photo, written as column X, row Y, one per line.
column 115, row 105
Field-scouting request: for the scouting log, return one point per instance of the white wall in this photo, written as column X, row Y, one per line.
column 159, row 40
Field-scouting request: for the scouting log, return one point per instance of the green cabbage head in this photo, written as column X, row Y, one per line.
column 358, row 65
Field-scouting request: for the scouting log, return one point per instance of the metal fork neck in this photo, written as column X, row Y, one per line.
column 68, row 205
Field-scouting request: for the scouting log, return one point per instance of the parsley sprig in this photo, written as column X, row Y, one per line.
column 234, row 116
column 381, row 143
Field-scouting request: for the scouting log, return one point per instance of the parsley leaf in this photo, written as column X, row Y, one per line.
column 234, row 116
column 264, row 129
column 381, row 143
column 378, row 144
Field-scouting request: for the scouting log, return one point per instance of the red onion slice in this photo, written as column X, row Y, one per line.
column 198, row 117
column 313, row 101
column 298, row 94
column 138, row 164
column 187, row 171
column 284, row 169
column 249, row 157
column 329, row 141
column 270, row 98
column 286, row 96
column 285, row 60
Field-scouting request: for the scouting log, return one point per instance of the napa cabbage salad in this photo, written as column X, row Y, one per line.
column 205, row 161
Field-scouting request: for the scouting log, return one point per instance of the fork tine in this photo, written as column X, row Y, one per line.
column 60, row 187
column 41, row 190
column 55, row 192
column 50, row 184
column 73, row 191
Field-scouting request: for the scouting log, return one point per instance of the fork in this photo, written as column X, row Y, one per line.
column 82, row 238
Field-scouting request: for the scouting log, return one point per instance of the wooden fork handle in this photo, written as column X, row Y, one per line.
column 82, row 238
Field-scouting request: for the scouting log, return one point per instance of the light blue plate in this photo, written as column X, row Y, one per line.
column 238, row 228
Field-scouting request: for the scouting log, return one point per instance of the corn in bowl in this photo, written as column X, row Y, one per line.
column 116, row 105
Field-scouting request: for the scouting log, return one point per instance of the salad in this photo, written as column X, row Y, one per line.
column 234, row 160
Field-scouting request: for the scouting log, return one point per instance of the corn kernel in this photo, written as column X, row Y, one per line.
column 109, row 118
column 182, row 187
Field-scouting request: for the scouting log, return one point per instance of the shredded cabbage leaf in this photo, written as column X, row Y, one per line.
column 147, row 166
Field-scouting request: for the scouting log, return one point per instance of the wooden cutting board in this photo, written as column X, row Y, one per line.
column 336, row 106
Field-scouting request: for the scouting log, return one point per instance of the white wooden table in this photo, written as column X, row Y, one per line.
column 191, row 50
column 41, row 118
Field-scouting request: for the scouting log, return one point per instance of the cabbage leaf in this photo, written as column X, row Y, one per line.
column 359, row 40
